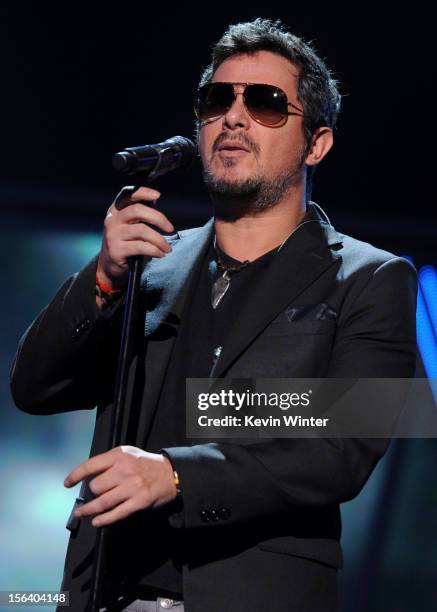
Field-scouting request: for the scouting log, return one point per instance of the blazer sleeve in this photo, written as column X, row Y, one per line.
column 376, row 338
column 65, row 359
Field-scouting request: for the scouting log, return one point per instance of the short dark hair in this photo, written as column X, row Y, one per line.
column 317, row 89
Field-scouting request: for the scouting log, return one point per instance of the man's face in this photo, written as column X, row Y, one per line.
column 274, row 154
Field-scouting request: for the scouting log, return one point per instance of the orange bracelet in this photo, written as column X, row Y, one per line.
column 104, row 288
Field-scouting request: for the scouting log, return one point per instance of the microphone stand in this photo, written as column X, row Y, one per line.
column 147, row 162
column 114, row 439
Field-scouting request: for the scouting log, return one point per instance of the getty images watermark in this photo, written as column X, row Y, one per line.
column 229, row 398
column 340, row 408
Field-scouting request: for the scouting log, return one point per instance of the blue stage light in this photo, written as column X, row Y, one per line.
column 427, row 322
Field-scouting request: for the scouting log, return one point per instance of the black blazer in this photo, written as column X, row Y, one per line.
column 260, row 518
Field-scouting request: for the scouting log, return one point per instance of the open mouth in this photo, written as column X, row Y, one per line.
column 230, row 146
column 232, row 151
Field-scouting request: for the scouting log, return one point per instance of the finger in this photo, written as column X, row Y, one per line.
column 102, row 503
column 141, row 213
column 91, row 466
column 104, row 482
column 122, row 198
column 139, row 231
column 139, row 247
column 145, row 193
column 130, row 194
column 117, row 514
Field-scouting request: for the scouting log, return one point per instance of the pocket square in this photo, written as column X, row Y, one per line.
column 309, row 312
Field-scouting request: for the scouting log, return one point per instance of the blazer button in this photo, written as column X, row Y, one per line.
column 80, row 329
column 205, row 516
column 224, row 513
column 214, row 515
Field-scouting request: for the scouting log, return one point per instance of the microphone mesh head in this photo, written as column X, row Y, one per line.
column 187, row 148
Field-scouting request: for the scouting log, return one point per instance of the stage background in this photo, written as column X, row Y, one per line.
column 80, row 84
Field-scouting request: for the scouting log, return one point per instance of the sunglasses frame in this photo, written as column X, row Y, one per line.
column 280, row 123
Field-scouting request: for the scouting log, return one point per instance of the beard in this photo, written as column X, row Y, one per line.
column 234, row 199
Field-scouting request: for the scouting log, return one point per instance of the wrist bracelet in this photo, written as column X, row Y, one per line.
column 105, row 292
column 105, row 288
column 177, row 482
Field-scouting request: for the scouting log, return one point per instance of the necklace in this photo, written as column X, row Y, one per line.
column 223, row 282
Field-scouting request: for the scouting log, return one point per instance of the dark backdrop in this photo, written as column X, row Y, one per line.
column 81, row 81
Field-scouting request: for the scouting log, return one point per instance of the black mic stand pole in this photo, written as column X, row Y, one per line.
column 136, row 263
column 173, row 153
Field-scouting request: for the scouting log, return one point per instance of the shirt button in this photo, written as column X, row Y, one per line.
column 166, row 603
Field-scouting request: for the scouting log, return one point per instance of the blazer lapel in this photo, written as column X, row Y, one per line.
column 303, row 258
column 166, row 284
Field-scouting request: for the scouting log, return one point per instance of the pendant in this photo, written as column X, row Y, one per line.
column 219, row 288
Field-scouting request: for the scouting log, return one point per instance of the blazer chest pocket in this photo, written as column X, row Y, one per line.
column 290, row 328
column 322, row 550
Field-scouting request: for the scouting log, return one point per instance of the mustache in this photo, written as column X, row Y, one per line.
column 240, row 139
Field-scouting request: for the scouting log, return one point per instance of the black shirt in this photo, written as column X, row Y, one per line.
column 203, row 330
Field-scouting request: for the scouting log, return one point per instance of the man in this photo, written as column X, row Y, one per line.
column 267, row 288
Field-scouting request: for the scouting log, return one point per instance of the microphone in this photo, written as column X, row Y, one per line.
column 155, row 159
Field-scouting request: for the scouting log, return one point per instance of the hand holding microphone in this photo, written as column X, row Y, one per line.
column 127, row 232
column 127, row 228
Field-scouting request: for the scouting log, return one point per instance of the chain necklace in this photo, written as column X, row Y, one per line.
column 223, row 282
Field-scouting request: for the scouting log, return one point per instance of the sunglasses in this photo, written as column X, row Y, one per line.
column 266, row 104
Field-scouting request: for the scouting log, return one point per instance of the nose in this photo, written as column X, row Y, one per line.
column 237, row 115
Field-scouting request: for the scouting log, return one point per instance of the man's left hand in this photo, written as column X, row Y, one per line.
column 129, row 479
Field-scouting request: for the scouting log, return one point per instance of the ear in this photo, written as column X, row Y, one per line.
column 322, row 142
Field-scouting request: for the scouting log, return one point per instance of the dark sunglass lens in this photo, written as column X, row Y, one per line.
column 266, row 103
column 214, row 100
